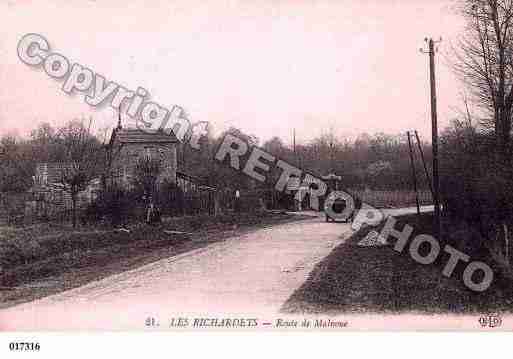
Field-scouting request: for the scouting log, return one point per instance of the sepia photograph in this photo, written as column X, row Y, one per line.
column 313, row 166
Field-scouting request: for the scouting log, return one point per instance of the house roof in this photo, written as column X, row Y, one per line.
column 135, row 135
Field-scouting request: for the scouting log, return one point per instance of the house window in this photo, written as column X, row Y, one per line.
column 44, row 177
column 148, row 152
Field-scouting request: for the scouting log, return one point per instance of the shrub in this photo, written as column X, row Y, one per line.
column 114, row 204
column 170, row 199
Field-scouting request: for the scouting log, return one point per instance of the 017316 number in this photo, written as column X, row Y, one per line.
column 24, row 347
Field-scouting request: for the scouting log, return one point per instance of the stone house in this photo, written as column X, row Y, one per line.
column 123, row 151
column 48, row 196
column 128, row 145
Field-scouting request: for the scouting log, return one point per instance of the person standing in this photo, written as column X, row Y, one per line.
column 236, row 206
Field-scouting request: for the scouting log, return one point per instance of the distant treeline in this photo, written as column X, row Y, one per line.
column 378, row 162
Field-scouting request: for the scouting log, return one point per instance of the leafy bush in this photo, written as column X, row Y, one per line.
column 171, row 199
column 114, row 204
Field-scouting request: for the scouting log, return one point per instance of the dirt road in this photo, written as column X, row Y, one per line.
column 250, row 275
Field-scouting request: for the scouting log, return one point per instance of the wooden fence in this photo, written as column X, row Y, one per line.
column 392, row 199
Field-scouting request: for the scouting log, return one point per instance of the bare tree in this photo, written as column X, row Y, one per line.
column 17, row 169
column 484, row 61
column 83, row 159
column 147, row 171
column 146, row 174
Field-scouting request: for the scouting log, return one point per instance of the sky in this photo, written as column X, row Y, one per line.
column 263, row 66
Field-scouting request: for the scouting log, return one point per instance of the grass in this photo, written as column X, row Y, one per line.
column 379, row 279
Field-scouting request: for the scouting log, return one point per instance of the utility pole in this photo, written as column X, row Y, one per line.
column 421, row 151
column 331, row 157
column 294, row 144
column 434, row 137
column 413, row 173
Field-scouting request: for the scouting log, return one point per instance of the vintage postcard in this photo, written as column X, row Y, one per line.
column 256, row 166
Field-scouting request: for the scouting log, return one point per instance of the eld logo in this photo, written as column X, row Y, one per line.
column 490, row 320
